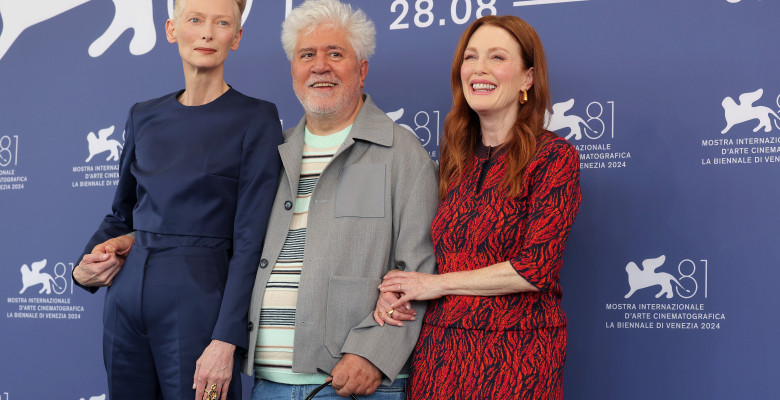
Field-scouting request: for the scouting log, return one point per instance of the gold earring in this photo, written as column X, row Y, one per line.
column 525, row 97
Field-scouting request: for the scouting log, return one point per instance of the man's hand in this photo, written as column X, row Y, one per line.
column 99, row 268
column 355, row 375
column 120, row 245
column 214, row 367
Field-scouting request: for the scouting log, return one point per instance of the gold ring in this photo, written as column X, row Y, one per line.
column 390, row 313
column 211, row 393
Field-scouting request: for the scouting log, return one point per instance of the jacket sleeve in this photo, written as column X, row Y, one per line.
column 258, row 178
column 553, row 201
column 414, row 206
column 120, row 221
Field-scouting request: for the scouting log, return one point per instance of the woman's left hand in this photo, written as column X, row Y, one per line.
column 411, row 286
column 393, row 316
column 214, row 367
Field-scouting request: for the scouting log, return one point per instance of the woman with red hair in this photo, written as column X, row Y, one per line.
column 509, row 194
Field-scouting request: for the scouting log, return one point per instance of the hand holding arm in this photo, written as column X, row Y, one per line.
column 382, row 312
column 99, row 268
column 494, row 280
column 120, row 245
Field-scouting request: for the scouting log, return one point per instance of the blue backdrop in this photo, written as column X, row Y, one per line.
column 673, row 106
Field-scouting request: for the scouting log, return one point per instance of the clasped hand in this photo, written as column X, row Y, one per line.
column 101, row 266
column 397, row 290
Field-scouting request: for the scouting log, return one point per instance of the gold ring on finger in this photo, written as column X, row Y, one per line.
column 211, row 393
column 390, row 313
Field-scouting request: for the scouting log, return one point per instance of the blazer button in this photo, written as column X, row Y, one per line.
column 287, row 205
column 249, row 326
column 263, row 264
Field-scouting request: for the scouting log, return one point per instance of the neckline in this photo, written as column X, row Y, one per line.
column 484, row 152
column 212, row 102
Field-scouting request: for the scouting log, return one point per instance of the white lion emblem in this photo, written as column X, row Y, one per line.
column 396, row 115
column 646, row 277
column 101, row 397
column 100, row 143
column 18, row 15
column 557, row 120
column 33, row 276
column 745, row 111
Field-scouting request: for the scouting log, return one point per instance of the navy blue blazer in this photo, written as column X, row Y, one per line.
column 204, row 171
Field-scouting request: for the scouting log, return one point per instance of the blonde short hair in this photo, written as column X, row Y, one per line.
column 178, row 8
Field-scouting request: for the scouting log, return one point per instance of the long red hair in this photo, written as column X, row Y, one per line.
column 461, row 127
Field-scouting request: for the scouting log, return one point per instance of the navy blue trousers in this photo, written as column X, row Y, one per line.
column 159, row 315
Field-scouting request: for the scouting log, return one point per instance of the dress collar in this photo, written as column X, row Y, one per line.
column 483, row 152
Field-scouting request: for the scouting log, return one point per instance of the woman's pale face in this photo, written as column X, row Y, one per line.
column 493, row 75
column 206, row 31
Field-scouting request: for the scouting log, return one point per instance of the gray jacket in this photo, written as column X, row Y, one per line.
column 370, row 212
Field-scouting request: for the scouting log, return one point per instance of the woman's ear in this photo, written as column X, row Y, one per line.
column 170, row 31
column 529, row 79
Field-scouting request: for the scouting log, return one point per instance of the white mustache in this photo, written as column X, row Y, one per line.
column 323, row 78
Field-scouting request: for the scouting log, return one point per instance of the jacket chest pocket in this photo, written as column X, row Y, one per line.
column 361, row 191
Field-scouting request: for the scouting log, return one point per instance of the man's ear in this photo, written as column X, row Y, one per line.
column 363, row 72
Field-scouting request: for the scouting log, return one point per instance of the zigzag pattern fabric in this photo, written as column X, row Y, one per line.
column 511, row 346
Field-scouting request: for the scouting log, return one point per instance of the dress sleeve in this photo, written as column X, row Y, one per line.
column 554, row 197
column 258, row 177
column 120, row 221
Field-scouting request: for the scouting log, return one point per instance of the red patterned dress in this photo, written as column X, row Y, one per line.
column 511, row 346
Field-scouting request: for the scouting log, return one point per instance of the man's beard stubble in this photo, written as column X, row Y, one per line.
column 328, row 104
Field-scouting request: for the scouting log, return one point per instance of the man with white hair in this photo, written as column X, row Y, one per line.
column 356, row 199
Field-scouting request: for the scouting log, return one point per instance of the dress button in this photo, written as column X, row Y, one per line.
column 249, row 326
column 287, row 205
column 263, row 263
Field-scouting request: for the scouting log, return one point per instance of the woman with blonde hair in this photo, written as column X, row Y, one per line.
column 196, row 182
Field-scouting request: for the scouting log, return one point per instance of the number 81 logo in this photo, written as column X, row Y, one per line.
column 686, row 285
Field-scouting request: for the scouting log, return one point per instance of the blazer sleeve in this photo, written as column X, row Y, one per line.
column 553, row 201
column 120, row 221
column 415, row 202
column 260, row 165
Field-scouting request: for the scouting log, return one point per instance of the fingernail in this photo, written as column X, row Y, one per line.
column 104, row 256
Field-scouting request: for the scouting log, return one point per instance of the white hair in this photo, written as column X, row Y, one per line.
column 178, row 8
column 313, row 13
